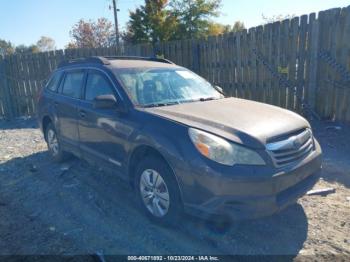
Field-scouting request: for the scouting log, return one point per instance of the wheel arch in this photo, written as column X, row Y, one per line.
column 146, row 150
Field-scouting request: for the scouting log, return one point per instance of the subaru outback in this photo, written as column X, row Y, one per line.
column 182, row 144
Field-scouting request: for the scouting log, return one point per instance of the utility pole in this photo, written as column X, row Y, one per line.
column 115, row 9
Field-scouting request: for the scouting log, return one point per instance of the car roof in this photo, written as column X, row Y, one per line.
column 138, row 64
column 113, row 62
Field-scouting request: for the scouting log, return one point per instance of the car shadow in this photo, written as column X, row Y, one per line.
column 74, row 208
column 281, row 234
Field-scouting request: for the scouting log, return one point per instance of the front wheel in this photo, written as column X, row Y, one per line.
column 158, row 191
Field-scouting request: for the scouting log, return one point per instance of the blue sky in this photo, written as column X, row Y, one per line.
column 24, row 21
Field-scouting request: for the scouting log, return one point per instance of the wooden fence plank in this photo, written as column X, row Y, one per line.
column 19, row 86
column 301, row 63
column 13, row 80
column 292, row 62
column 276, row 52
column 260, row 65
column 313, row 63
column 341, row 58
column 5, row 87
column 226, row 66
column 221, row 61
column 27, row 87
column 245, row 72
column 263, row 51
column 332, row 75
column 343, row 112
column 284, row 60
column 322, row 70
column 268, row 54
column 252, row 63
column 239, row 64
column 231, row 65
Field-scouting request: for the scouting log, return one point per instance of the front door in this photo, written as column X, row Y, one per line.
column 103, row 132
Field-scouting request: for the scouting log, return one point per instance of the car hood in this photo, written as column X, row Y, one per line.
column 242, row 121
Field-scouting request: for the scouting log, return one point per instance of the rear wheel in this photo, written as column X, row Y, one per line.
column 158, row 191
column 53, row 144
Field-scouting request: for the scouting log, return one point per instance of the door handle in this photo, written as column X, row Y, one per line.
column 82, row 113
column 55, row 104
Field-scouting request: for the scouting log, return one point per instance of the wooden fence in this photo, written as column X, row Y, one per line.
column 302, row 62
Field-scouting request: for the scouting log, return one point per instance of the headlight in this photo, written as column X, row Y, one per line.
column 222, row 151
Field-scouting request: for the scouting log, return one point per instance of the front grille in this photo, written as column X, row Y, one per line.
column 292, row 148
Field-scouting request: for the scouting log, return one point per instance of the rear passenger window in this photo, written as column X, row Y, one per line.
column 72, row 84
column 54, row 81
column 97, row 85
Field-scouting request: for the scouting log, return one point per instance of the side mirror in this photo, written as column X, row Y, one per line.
column 104, row 102
column 219, row 89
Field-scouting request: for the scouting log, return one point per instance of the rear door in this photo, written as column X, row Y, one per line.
column 67, row 102
column 103, row 132
column 48, row 95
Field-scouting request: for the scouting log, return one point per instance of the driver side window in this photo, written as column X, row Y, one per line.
column 97, row 85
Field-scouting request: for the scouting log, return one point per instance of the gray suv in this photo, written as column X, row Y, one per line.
column 180, row 143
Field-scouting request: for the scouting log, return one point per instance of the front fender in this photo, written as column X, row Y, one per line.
column 169, row 139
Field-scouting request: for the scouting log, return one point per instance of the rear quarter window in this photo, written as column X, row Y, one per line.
column 54, row 81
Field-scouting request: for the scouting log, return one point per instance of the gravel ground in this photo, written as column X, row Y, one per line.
column 74, row 208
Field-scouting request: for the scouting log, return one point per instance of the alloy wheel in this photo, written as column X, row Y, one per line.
column 154, row 193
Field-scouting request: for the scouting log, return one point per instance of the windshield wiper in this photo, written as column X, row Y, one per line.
column 161, row 104
column 207, row 98
column 202, row 99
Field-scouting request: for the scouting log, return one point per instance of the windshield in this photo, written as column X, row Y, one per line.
column 159, row 87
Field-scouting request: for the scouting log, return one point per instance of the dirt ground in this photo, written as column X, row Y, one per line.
column 73, row 208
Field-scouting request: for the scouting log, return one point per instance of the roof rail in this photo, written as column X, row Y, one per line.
column 155, row 59
column 104, row 60
column 93, row 59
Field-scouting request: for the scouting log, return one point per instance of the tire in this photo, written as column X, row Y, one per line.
column 53, row 144
column 156, row 169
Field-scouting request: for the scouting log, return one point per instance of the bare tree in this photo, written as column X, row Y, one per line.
column 46, row 44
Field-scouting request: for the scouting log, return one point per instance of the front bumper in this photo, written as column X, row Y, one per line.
column 257, row 197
